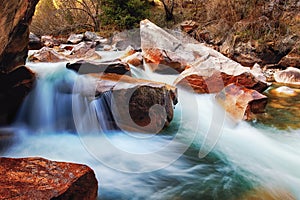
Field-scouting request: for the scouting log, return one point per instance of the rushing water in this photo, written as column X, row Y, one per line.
column 244, row 159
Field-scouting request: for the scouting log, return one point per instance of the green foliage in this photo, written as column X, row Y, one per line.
column 124, row 13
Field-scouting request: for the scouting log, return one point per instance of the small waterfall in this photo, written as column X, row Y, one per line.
column 51, row 104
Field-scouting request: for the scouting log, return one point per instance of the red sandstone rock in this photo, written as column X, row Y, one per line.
column 38, row 178
column 210, row 80
column 241, row 102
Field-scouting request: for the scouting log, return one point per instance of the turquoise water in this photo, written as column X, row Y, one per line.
column 201, row 155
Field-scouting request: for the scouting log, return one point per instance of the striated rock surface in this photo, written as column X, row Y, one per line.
column 290, row 76
column 38, row 178
column 135, row 104
column 87, row 67
column 211, row 76
column 241, row 102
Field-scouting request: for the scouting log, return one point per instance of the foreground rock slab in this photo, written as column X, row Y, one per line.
column 241, row 102
column 38, row 178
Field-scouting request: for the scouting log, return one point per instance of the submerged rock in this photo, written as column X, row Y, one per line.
column 88, row 67
column 284, row 91
column 135, row 104
column 290, row 76
column 241, row 102
column 38, row 178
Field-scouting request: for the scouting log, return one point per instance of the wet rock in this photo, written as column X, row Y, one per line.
column 290, row 76
column 34, row 42
column 75, row 38
column 207, row 77
column 135, row 104
column 47, row 54
column 88, row 67
column 241, row 102
column 15, row 17
column 38, row 178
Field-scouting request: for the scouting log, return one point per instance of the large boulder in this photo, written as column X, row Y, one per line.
column 15, row 17
column 38, row 178
column 290, row 76
column 135, row 104
column 211, row 76
column 164, row 51
column 16, row 81
column 241, row 102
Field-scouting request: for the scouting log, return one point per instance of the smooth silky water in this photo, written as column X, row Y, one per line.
column 201, row 155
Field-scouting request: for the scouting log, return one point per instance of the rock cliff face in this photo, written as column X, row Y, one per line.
column 16, row 81
column 15, row 17
column 38, row 178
